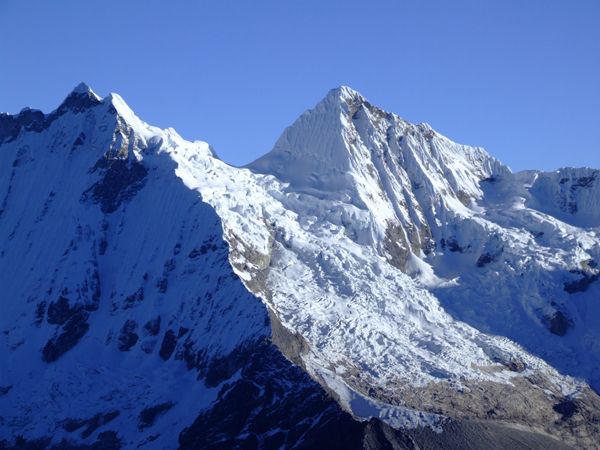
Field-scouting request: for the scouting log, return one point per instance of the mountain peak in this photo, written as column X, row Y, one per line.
column 345, row 97
column 82, row 88
column 374, row 266
column 345, row 93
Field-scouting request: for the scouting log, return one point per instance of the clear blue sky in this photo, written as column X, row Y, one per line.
column 519, row 78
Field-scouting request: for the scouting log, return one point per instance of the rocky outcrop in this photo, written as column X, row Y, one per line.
column 66, row 337
column 121, row 174
column 33, row 120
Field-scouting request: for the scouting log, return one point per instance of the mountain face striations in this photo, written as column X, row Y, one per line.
column 367, row 284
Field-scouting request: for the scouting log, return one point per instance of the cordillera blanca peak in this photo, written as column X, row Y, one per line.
column 366, row 284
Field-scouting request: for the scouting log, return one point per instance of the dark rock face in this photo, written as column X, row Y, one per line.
column 452, row 244
column 72, row 316
column 220, row 369
column 149, row 414
column 203, row 250
column 86, row 294
column 32, row 120
column 292, row 345
column 168, row 345
column 559, row 323
column 61, row 311
column 107, row 440
column 79, row 141
column 40, row 311
column 4, row 390
column 77, row 103
column 582, row 284
column 97, row 421
column 516, row 366
column 182, row 332
column 484, row 260
column 9, row 127
column 212, row 370
column 162, row 285
column 272, row 394
column 120, row 182
column 133, row 299
column 72, row 332
column 71, row 425
column 396, row 246
column 488, row 257
column 23, row 444
column 567, row 408
column 128, row 338
column 152, row 327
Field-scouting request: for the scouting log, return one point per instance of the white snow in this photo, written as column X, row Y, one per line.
column 488, row 256
column 52, row 246
column 338, row 183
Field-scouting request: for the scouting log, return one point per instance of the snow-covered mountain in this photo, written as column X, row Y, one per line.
column 366, row 284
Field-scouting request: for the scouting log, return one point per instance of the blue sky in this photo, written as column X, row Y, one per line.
column 519, row 78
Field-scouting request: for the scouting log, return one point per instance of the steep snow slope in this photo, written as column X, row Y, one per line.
column 114, row 281
column 406, row 176
column 504, row 252
column 347, row 193
column 359, row 232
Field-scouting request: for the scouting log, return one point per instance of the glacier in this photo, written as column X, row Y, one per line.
column 367, row 274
